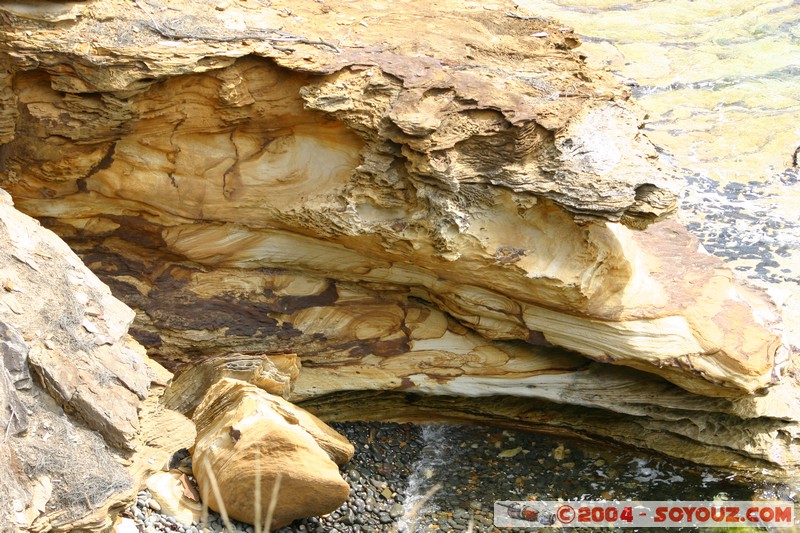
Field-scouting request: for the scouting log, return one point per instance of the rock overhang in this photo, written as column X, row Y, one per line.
column 402, row 150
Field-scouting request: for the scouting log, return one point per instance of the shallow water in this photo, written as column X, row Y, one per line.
column 474, row 466
column 720, row 82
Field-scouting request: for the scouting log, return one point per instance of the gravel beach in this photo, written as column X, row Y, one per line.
column 468, row 468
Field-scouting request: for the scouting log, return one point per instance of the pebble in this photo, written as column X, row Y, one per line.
column 460, row 513
column 348, row 517
column 397, row 510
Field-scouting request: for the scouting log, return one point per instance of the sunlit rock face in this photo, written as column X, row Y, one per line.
column 376, row 201
column 252, row 444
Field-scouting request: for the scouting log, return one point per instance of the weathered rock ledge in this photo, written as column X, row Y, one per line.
column 470, row 213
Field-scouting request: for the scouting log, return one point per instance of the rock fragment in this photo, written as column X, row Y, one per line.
column 243, row 430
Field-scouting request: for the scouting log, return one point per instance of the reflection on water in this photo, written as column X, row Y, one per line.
column 474, row 466
column 721, row 84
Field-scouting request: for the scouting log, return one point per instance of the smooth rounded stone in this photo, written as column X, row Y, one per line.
column 480, row 519
column 304, row 451
column 154, row 505
column 385, row 518
column 459, row 513
column 397, row 510
column 378, row 456
column 377, row 483
column 354, row 475
column 349, row 517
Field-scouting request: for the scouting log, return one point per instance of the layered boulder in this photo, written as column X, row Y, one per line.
column 462, row 213
column 260, row 458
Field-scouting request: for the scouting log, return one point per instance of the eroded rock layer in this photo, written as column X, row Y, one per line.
column 351, row 184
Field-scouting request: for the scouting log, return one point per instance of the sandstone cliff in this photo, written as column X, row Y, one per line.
column 466, row 212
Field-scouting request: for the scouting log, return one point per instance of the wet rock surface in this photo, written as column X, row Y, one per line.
column 395, row 465
column 754, row 229
column 718, row 81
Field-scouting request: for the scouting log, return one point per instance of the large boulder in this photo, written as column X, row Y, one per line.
column 73, row 385
column 248, row 440
column 497, row 180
